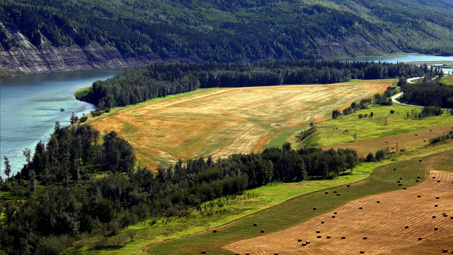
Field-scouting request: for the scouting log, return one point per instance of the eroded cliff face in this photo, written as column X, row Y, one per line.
column 62, row 59
column 25, row 58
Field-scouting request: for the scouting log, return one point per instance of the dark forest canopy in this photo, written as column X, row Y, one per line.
column 75, row 185
column 139, row 84
column 214, row 30
column 431, row 93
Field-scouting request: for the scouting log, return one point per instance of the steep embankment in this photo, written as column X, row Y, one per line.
column 27, row 58
column 45, row 36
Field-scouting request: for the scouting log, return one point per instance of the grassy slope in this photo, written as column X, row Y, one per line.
column 225, row 210
column 300, row 209
column 342, row 131
column 448, row 80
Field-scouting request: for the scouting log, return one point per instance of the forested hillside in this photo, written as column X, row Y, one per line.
column 214, row 30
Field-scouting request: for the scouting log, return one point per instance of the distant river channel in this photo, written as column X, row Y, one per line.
column 30, row 105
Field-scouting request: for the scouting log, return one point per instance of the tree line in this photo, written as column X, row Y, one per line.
column 430, row 93
column 74, row 185
column 139, row 84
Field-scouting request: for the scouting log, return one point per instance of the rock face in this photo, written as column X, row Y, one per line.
column 25, row 58
column 28, row 60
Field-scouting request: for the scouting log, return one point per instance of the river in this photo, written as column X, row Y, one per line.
column 30, row 105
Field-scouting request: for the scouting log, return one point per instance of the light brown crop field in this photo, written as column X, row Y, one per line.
column 223, row 121
column 417, row 220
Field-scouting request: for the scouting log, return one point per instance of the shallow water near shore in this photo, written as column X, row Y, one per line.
column 30, row 105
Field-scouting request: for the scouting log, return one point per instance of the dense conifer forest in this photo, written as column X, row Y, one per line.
column 214, row 30
column 74, row 184
column 431, row 93
column 139, row 84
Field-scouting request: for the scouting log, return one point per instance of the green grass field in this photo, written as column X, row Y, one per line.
column 351, row 128
column 300, row 209
column 448, row 80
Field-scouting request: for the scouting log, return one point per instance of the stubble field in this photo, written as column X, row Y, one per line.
column 398, row 222
column 221, row 122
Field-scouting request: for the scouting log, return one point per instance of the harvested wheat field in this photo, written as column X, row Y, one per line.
column 220, row 122
column 418, row 220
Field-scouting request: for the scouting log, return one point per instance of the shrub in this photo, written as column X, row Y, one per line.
column 83, row 119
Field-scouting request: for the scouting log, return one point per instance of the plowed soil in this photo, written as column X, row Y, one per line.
column 418, row 220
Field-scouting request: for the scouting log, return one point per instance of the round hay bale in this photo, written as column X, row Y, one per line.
column 436, row 229
column 417, row 181
column 436, row 205
column 335, row 213
column 362, row 252
column 318, row 236
column 444, row 250
column 333, row 216
column 451, row 218
column 406, row 227
column 378, row 202
column 343, row 237
column 299, row 240
column 327, row 237
column 214, row 231
column 255, row 224
column 338, row 195
column 314, row 208
column 404, row 188
column 334, row 191
column 308, row 241
column 322, row 222
column 262, row 231
column 360, row 208
column 437, row 197
column 420, row 160
column 424, row 141
column 203, row 252
column 349, row 185
column 401, row 178
column 400, row 184
column 438, row 180
column 419, row 239
column 418, row 177
column 304, row 244
column 317, row 231
column 365, row 238
column 434, row 177
column 419, row 196
column 326, row 192
column 434, row 217
column 394, row 169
